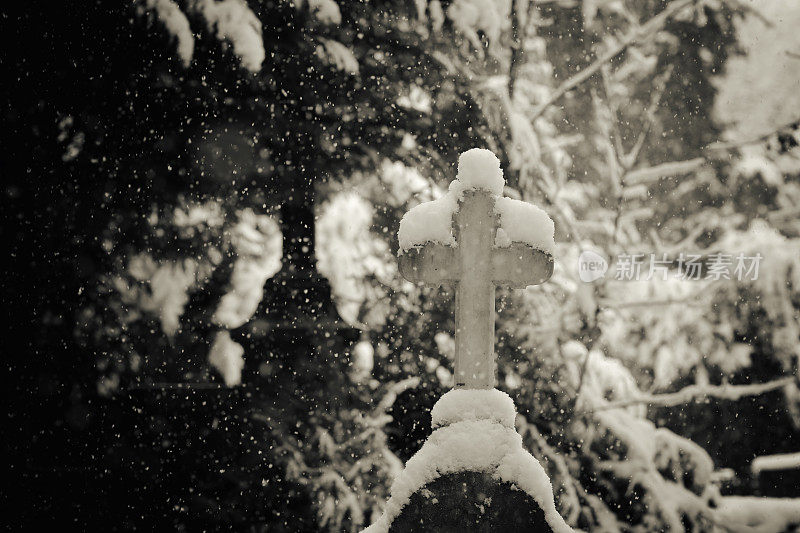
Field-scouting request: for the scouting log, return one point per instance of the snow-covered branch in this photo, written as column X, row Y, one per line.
column 697, row 392
column 783, row 461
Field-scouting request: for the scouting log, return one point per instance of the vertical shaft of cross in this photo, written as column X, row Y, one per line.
column 474, row 357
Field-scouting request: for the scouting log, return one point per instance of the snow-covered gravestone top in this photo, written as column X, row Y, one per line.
column 472, row 474
column 475, row 238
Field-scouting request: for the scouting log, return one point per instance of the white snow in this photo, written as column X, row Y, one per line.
column 338, row 55
column 233, row 21
column 471, row 443
column 459, row 405
column 782, row 461
column 432, row 222
column 523, row 222
column 758, row 515
column 167, row 283
column 429, row 222
column 177, row 25
column 352, row 257
column 258, row 242
column 659, row 461
column 192, row 215
column 226, row 356
column 480, row 169
column 325, row 11
column 362, row 360
column 472, row 16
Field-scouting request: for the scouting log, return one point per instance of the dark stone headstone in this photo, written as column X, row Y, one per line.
column 470, row 502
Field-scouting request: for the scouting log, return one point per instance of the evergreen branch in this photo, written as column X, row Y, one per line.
column 648, row 29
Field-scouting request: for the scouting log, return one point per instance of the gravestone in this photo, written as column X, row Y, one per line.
column 472, row 473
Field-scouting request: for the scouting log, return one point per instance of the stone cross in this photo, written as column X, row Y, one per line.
column 476, row 265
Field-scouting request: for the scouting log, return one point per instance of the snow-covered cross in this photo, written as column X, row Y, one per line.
column 476, row 239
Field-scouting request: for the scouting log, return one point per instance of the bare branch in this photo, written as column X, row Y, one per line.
column 646, row 30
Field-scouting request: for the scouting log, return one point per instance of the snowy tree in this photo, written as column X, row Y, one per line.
column 166, row 134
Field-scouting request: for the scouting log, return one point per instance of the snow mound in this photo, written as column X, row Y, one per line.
column 472, row 444
column 429, row 222
column 480, row 169
column 432, row 222
column 523, row 222
column 461, row 405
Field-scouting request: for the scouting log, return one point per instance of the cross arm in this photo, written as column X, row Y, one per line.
column 433, row 264
column 520, row 265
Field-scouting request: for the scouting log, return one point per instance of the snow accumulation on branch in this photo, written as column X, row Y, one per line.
column 227, row 357
column 234, row 23
column 475, row 434
column 755, row 514
column 478, row 169
column 782, row 461
column 695, row 392
column 176, row 23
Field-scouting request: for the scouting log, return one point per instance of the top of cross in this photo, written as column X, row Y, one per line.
column 474, row 238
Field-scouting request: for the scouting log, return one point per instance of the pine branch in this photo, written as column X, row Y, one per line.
column 646, row 30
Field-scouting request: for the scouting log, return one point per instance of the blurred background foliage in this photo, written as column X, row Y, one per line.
column 152, row 148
